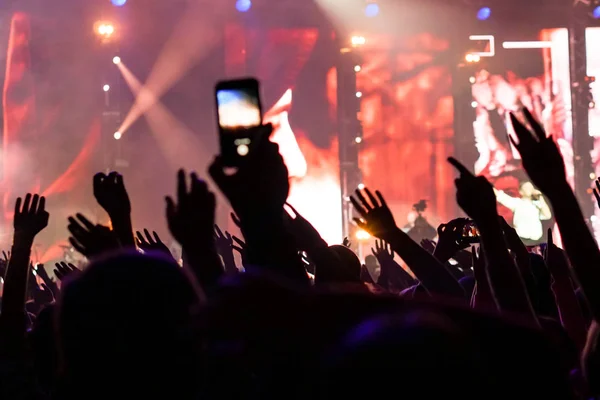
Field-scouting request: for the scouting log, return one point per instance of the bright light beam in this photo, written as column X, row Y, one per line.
column 193, row 38
column 181, row 147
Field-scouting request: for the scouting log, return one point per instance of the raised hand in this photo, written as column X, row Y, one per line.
column 383, row 251
column 110, row 192
column 224, row 244
column 541, row 157
column 376, row 217
column 50, row 284
column 260, row 185
column 474, row 194
column 89, row 239
column 191, row 220
column 64, row 270
column 192, row 217
column 240, row 247
column 347, row 243
column 31, row 216
column 151, row 242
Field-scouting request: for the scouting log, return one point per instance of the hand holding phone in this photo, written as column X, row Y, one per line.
column 239, row 112
column 471, row 233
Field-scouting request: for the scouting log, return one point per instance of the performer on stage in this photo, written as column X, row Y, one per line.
column 529, row 211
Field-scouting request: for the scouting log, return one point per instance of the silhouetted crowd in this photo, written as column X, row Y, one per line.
column 300, row 318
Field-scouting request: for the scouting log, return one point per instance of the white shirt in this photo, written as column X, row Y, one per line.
column 528, row 215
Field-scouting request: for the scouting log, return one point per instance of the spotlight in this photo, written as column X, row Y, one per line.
column 117, row 135
column 474, row 104
column 372, row 10
column 592, row 176
column 106, row 88
column 358, row 140
column 593, row 218
column 116, row 60
column 596, row 12
column 358, row 41
column 357, row 68
column 472, row 58
column 118, row 3
column 472, row 79
column 361, row 186
column 243, row 5
column 484, row 13
column 104, row 29
column 359, row 94
column 362, row 235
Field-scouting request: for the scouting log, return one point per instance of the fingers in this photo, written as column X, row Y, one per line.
column 18, row 206
column 364, row 201
column 239, row 241
column 27, row 203
column 88, row 225
column 459, row 167
column 140, row 238
column 34, row 203
column 236, row 220
column 537, row 128
column 371, row 198
column 359, row 209
column 550, row 238
column 218, row 231
column 170, row 208
column 181, row 186
column 148, row 237
column 381, row 199
column 523, row 134
column 42, row 204
column 78, row 246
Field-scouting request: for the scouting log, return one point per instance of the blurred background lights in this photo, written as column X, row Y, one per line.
column 484, row 13
column 372, row 10
column 118, row 3
column 243, row 5
column 596, row 12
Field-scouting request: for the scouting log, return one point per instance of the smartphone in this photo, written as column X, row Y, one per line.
column 238, row 111
column 470, row 233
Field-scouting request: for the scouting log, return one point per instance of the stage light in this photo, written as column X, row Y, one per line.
column 358, row 40
column 472, row 79
column 357, row 68
column 116, row 60
column 358, row 140
column 118, row 3
column 472, row 58
column 372, row 10
column 361, row 186
column 362, row 235
column 474, row 104
column 106, row 88
column 593, row 218
column 359, row 94
column 592, row 105
column 596, row 12
column 484, row 13
column 592, row 176
column 117, row 135
column 243, row 5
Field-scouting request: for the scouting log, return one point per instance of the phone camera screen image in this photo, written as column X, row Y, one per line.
column 238, row 108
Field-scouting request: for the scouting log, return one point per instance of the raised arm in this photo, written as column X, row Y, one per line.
column 475, row 196
column 377, row 219
column 546, row 168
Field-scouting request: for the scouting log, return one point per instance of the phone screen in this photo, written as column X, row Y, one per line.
column 238, row 108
